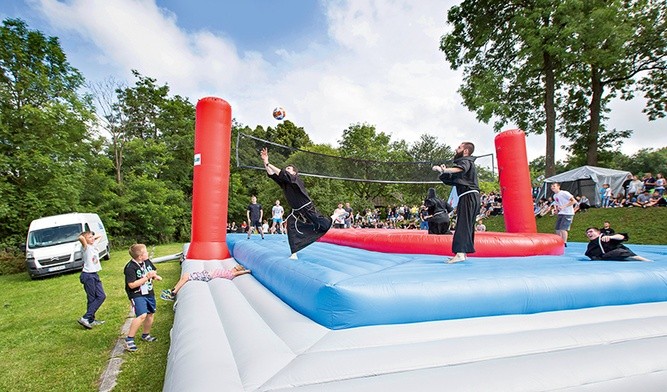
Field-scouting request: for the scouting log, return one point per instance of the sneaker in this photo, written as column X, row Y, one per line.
column 130, row 346
column 97, row 322
column 85, row 323
column 167, row 295
column 148, row 338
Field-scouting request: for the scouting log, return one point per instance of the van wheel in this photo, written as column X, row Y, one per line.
column 107, row 256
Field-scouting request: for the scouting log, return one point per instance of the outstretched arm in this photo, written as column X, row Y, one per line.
column 270, row 169
column 444, row 169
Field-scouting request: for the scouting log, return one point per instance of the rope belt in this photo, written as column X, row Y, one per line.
column 470, row 191
column 295, row 218
column 600, row 244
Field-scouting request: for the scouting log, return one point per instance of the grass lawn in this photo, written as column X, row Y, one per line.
column 43, row 348
column 644, row 225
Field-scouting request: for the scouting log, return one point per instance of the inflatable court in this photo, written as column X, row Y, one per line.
column 371, row 311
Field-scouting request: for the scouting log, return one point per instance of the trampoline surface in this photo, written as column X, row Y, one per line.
column 341, row 287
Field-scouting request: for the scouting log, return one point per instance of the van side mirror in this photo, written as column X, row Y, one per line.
column 22, row 246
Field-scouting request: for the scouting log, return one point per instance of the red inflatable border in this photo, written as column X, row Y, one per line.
column 487, row 244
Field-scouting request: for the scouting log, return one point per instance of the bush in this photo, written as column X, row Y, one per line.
column 12, row 261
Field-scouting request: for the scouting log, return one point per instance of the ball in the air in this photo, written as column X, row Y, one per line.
column 279, row 113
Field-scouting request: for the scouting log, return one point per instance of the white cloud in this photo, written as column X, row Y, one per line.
column 382, row 66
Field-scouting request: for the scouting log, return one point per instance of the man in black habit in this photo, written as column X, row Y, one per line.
column 437, row 213
column 463, row 175
column 609, row 247
column 305, row 224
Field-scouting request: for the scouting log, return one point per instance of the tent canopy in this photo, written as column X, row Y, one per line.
column 587, row 180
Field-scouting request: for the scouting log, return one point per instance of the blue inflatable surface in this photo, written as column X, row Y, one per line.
column 341, row 287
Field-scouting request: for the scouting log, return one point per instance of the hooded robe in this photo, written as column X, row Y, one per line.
column 438, row 210
column 305, row 224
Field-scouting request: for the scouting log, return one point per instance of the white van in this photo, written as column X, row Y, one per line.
column 53, row 243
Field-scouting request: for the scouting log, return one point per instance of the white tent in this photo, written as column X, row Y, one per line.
column 587, row 180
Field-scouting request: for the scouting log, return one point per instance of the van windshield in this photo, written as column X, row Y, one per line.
column 54, row 236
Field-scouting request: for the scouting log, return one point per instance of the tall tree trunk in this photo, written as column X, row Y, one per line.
column 118, row 158
column 550, row 110
column 594, row 125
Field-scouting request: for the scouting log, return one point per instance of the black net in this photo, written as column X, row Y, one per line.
column 326, row 166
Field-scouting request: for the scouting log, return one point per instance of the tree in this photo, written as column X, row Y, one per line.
column 363, row 142
column 509, row 54
column 155, row 139
column 46, row 149
column 288, row 134
column 620, row 48
column 528, row 61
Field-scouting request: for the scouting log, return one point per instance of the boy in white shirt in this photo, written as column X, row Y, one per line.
column 89, row 278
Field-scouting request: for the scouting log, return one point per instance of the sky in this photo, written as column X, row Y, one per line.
column 330, row 64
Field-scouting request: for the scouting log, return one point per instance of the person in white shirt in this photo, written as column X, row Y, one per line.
column 89, row 278
column 563, row 203
column 277, row 212
column 480, row 226
column 339, row 216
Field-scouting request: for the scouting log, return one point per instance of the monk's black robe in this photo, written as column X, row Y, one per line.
column 438, row 210
column 612, row 250
column 305, row 224
column 467, row 209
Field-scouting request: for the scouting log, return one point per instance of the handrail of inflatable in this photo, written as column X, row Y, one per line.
column 487, row 244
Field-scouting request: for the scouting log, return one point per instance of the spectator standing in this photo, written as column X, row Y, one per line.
column 649, row 182
column 339, row 217
column 350, row 215
column 660, row 183
column 608, row 195
column 423, row 213
column 626, row 184
column 563, row 202
column 255, row 214
column 277, row 212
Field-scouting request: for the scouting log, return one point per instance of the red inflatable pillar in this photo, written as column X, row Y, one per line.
column 213, row 134
column 515, row 188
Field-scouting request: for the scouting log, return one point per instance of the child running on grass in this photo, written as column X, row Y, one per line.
column 204, row 276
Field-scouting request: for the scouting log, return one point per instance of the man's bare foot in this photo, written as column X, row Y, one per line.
column 457, row 258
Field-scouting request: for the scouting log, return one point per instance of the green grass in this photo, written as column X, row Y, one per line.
column 644, row 225
column 43, row 348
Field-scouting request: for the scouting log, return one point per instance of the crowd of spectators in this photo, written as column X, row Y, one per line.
column 400, row 216
column 643, row 193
